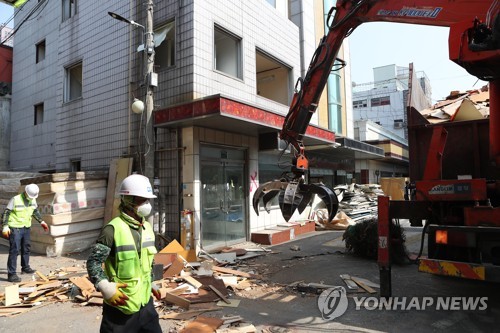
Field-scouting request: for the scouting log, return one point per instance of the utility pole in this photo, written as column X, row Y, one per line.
column 151, row 82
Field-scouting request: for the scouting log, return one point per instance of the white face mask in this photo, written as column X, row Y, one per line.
column 144, row 209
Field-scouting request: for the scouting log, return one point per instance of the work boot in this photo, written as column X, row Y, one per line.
column 28, row 270
column 14, row 278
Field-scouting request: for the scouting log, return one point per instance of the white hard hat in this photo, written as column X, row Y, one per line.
column 137, row 185
column 32, row 191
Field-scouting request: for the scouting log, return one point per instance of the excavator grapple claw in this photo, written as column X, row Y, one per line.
column 294, row 195
column 267, row 192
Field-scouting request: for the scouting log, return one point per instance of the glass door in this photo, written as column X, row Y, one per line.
column 223, row 219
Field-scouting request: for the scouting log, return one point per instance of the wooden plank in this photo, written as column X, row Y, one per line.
column 363, row 285
column 351, row 285
column 42, row 276
column 177, row 300
column 222, row 297
column 234, row 272
column 192, row 281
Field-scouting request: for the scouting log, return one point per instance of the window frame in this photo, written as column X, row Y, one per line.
column 168, row 43
column 380, row 101
column 68, row 9
column 38, row 115
column 68, row 86
column 41, row 51
column 360, row 103
column 239, row 57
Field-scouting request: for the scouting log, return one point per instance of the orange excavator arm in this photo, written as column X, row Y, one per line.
column 474, row 44
column 463, row 17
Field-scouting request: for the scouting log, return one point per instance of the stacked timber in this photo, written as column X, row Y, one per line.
column 73, row 206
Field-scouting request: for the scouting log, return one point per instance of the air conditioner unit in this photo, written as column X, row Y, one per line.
column 399, row 125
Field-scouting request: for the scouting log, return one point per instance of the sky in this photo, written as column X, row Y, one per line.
column 378, row 44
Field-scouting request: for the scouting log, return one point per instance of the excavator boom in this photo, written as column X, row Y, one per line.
column 474, row 44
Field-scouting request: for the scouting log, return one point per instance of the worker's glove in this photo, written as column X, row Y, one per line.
column 44, row 226
column 6, row 231
column 156, row 291
column 112, row 293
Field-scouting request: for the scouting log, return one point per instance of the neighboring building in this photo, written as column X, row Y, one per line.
column 224, row 77
column 5, row 102
column 380, row 114
column 6, row 37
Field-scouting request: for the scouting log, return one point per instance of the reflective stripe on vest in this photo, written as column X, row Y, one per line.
column 20, row 216
column 127, row 267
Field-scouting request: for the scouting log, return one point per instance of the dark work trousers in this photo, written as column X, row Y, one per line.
column 20, row 243
column 146, row 320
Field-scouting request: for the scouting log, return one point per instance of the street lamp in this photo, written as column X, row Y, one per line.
column 123, row 19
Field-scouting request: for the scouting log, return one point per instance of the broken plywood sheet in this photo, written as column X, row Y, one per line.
column 205, row 295
column 76, row 216
column 203, row 324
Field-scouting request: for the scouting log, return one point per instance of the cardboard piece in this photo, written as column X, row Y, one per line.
column 172, row 263
column 86, row 287
column 175, row 247
column 11, row 295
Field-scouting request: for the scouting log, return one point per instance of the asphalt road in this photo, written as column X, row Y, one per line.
column 272, row 305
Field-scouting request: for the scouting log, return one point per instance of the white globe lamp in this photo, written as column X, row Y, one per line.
column 137, row 106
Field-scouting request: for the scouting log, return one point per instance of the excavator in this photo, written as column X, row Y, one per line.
column 462, row 210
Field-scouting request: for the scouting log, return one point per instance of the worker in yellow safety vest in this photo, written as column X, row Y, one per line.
column 16, row 226
column 126, row 247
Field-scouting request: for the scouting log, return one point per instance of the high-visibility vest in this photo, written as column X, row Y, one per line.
column 127, row 267
column 20, row 216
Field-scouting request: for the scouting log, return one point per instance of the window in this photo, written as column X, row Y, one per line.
column 74, row 80
column 40, row 51
column 165, row 45
column 38, row 114
column 398, row 123
column 273, row 78
column 76, row 165
column 227, row 53
column 379, row 101
column 360, row 104
column 68, row 8
column 334, row 100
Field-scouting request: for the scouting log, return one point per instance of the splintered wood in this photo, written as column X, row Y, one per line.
column 46, row 289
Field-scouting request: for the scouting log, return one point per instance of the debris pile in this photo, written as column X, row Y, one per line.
column 357, row 203
column 459, row 106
